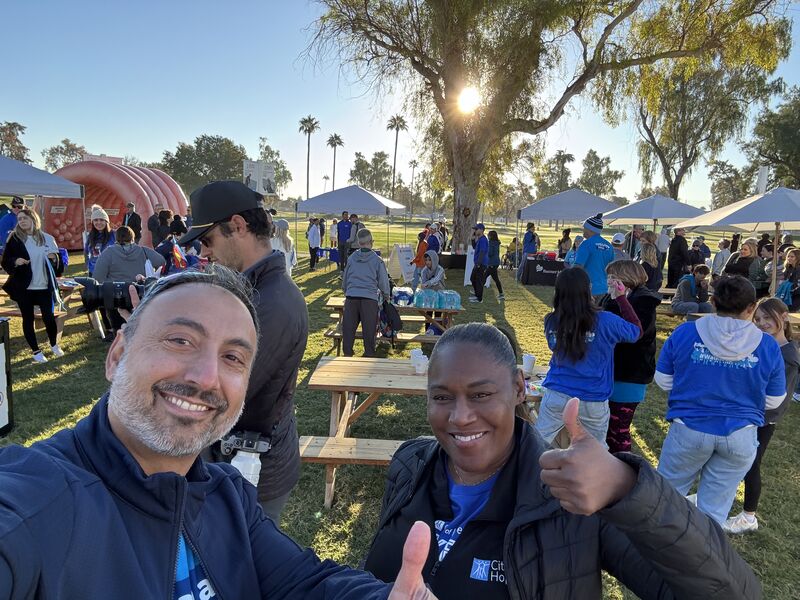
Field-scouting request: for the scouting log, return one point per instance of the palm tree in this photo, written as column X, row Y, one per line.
column 397, row 122
column 308, row 125
column 413, row 164
column 325, row 178
column 334, row 140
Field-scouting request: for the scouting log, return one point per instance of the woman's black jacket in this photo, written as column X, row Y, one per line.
column 636, row 363
column 653, row 540
column 19, row 276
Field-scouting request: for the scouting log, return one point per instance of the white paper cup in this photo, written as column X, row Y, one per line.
column 421, row 367
column 528, row 362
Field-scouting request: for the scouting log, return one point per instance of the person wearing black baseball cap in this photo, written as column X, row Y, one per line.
column 9, row 220
column 481, row 266
column 234, row 230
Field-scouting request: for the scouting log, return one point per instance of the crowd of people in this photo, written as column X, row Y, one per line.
column 510, row 515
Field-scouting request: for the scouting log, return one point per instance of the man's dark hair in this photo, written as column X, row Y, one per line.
column 124, row 235
column 733, row 294
column 258, row 222
column 701, row 270
column 216, row 275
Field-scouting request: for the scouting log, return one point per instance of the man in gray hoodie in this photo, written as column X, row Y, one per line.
column 125, row 260
column 364, row 276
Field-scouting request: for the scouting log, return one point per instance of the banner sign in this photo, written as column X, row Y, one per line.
column 259, row 176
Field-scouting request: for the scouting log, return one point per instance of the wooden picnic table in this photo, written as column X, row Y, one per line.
column 347, row 377
column 444, row 321
column 668, row 292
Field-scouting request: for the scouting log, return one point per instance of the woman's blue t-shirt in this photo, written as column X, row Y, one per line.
column 592, row 378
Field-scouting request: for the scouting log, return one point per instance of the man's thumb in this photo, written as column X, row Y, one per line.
column 415, row 553
column 572, row 423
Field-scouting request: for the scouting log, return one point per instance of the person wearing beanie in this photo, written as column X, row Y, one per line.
column 594, row 254
column 100, row 237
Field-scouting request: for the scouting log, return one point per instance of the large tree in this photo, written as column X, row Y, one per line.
column 397, row 124
column 728, row 184
column 308, row 125
column 270, row 155
column 553, row 175
column 510, row 50
column 697, row 112
column 597, row 176
column 11, row 141
column 775, row 140
column 63, row 154
column 209, row 158
column 334, row 141
column 374, row 174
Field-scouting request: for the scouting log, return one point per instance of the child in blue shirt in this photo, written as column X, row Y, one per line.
column 582, row 338
column 721, row 373
column 595, row 254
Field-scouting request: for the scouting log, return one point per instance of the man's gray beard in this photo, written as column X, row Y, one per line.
column 135, row 414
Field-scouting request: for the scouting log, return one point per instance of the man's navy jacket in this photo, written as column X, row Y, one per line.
column 79, row 519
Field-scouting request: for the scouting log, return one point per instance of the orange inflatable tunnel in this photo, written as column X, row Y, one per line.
column 111, row 186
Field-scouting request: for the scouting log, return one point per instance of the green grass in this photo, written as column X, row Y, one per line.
column 49, row 397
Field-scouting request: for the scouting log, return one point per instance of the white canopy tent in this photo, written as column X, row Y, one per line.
column 655, row 208
column 20, row 179
column 779, row 207
column 572, row 205
column 353, row 199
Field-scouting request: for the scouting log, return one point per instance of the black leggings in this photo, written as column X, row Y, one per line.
column 492, row 272
column 752, row 481
column 44, row 300
column 314, row 257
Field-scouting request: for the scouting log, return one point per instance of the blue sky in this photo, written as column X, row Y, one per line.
column 137, row 78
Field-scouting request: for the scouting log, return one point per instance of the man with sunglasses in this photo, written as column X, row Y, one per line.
column 234, row 230
column 9, row 221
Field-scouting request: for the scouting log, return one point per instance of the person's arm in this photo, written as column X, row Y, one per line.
column 665, row 368
column 662, row 547
column 702, row 291
column 776, row 385
column 582, row 254
column 102, row 267
column 437, row 277
column 383, row 281
column 345, row 277
column 729, row 264
column 155, row 258
column 481, row 250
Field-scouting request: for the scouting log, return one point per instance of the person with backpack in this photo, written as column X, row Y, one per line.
column 691, row 295
column 364, row 280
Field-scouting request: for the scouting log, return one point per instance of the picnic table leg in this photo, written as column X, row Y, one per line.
column 337, row 399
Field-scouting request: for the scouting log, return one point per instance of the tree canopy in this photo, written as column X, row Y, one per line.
column 515, row 51
column 553, row 175
column 775, row 140
column 374, row 175
column 63, row 154
column 11, row 141
column 728, row 184
column 597, row 176
column 209, row 158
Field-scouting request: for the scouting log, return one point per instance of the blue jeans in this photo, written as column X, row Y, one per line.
column 593, row 416
column 415, row 281
column 720, row 461
column 685, row 308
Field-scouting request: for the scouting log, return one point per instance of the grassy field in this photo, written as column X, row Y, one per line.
column 52, row 396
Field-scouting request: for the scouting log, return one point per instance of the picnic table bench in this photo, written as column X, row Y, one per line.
column 346, row 378
column 408, row 314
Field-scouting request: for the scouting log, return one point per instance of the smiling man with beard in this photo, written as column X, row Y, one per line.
column 122, row 507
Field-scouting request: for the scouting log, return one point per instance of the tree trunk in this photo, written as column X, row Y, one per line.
column 465, row 178
column 308, row 167
column 333, row 180
column 394, row 160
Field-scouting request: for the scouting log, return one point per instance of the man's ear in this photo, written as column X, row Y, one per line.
column 238, row 225
column 114, row 355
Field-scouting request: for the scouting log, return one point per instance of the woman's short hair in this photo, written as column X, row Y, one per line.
column 751, row 243
column 629, row 272
column 733, row 294
column 124, row 235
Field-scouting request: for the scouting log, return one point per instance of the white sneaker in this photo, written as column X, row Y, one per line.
column 473, row 297
column 741, row 523
column 692, row 498
column 39, row 357
column 501, row 297
column 796, row 397
column 57, row 351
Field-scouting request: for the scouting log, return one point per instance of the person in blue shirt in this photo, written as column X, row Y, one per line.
column 343, row 235
column 433, row 238
column 9, row 220
column 569, row 259
column 481, row 266
column 582, row 338
column 530, row 245
column 721, row 373
column 594, row 254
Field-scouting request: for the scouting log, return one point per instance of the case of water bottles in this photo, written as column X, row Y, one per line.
column 426, row 299
column 449, row 300
column 402, row 296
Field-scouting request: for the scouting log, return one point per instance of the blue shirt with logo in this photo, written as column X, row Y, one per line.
column 592, row 378
column 593, row 255
column 190, row 579
column 719, row 396
column 343, row 231
column 467, row 502
column 482, row 251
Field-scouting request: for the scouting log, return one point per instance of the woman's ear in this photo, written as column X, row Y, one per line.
column 519, row 387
